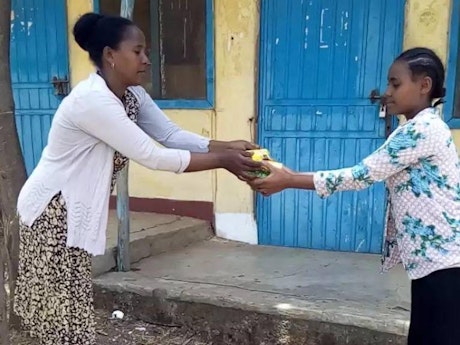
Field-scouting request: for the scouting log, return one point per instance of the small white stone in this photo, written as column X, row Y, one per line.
column 117, row 314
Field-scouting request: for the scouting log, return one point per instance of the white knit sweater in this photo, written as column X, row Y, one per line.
column 89, row 125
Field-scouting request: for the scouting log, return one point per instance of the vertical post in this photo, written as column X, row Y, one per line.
column 155, row 59
column 123, row 258
column 127, row 8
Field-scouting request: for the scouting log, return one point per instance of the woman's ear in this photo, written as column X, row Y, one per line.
column 107, row 56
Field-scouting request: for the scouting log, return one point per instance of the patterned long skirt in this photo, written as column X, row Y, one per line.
column 54, row 295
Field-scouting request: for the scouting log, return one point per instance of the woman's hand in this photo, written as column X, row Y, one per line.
column 241, row 145
column 278, row 180
column 239, row 163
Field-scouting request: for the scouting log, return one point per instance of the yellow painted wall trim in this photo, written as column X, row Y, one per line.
column 79, row 63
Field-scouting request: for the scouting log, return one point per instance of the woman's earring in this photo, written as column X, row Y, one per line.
column 113, row 65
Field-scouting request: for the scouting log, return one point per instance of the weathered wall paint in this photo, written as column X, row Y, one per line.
column 237, row 27
column 80, row 66
column 428, row 24
column 145, row 183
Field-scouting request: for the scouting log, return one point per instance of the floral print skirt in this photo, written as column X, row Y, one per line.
column 54, row 295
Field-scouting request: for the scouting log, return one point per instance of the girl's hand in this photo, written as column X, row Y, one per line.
column 277, row 181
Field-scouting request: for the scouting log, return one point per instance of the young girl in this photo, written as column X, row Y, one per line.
column 421, row 168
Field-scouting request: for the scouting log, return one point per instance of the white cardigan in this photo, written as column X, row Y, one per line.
column 89, row 125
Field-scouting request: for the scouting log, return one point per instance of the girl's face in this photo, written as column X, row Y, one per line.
column 406, row 94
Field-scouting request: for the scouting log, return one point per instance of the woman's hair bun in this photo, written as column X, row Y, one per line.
column 85, row 27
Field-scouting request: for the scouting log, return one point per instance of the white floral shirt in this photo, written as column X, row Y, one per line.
column 420, row 165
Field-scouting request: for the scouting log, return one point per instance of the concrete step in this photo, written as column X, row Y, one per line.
column 151, row 234
column 257, row 295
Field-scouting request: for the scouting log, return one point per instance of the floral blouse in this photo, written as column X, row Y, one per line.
column 420, row 165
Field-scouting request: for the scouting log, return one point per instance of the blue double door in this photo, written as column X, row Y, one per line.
column 320, row 60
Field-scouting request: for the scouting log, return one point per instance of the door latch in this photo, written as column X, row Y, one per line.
column 61, row 86
column 375, row 96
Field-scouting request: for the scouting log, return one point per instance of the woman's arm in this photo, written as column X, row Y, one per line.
column 104, row 117
column 158, row 126
column 237, row 162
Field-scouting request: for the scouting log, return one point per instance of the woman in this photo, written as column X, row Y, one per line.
column 63, row 207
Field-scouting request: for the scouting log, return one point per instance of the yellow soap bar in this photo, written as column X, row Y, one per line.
column 260, row 155
column 263, row 155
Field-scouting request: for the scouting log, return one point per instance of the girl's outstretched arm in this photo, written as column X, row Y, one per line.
column 410, row 144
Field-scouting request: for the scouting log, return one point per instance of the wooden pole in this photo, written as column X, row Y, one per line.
column 123, row 258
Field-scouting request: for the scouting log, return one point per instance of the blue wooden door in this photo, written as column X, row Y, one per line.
column 319, row 62
column 39, row 53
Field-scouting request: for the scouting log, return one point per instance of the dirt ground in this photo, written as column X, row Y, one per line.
column 130, row 332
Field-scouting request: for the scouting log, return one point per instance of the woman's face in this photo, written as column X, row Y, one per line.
column 130, row 59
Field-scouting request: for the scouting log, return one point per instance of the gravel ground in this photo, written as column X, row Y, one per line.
column 132, row 332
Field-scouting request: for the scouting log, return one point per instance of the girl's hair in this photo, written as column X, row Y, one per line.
column 93, row 32
column 425, row 62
